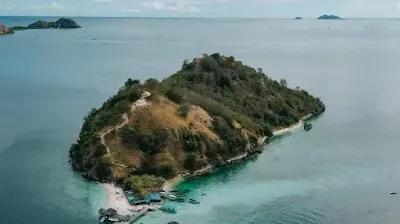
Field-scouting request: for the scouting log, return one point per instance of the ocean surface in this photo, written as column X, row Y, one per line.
column 339, row 172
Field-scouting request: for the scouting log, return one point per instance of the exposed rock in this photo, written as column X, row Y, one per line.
column 62, row 23
column 329, row 17
column 298, row 17
column 5, row 30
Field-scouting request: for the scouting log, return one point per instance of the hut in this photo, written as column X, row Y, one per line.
column 111, row 213
column 155, row 197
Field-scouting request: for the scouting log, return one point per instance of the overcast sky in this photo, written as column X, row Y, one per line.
column 203, row 8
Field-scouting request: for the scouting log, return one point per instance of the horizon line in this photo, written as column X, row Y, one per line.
column 182, row 17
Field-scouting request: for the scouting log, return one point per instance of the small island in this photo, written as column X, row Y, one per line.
column 327, row 17
column 62, row 23
column 298, row 17
column 213, row 112
column 5, row 30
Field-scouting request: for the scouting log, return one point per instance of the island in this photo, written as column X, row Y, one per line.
column 5, row 30
column 213, row 112
column 298, row 17
column 329, row 17
column 62, row 23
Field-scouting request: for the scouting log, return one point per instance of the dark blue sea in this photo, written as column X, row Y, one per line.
column 339, row 172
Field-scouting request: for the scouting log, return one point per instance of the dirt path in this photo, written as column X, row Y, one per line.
column 140, row 102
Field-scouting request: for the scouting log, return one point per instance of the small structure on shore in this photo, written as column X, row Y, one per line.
column 109, row 215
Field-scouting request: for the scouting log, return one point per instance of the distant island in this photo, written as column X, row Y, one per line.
column 298, row 17
column 5, row 30
column 214, row 111
column 329, row 17
column 62, row 23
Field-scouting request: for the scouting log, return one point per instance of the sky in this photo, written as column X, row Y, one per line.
column 204, row 8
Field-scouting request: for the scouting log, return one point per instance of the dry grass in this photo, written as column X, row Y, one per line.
column 129, row 157
column 162, row 114
column 200, row 121
column 158, row 115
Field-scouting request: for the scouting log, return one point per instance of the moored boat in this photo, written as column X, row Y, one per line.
column 307, row 126
column 168, row 209
column 193, row 201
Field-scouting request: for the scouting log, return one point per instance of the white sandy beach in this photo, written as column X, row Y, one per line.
column 293, row 127
column 170, row 184
column 117, row 200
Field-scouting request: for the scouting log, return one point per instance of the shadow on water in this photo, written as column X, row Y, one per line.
column 221, row 175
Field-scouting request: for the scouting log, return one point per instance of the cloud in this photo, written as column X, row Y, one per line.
column 281, row 1
column 179, row 6
column 53, row 6
column 130, row 10
column 103, row 1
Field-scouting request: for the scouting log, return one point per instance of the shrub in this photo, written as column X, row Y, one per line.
column 143, row 184
column 183, row 110
column 175, row 95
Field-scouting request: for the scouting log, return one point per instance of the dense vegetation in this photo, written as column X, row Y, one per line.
column 213, row 109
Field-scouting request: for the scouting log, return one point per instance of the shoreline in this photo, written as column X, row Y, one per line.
column 115, row 197
column 170, row 184
column 282, row 131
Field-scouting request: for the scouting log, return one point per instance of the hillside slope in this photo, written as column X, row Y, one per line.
column 212, row 110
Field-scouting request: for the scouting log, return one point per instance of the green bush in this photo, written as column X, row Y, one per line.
column 143, row 184
column 176, row 96
column 183, row 110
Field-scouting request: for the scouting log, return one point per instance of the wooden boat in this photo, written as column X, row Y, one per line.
column 307, row 126
column 193, row 201
column 180, row 199
column 168, row 209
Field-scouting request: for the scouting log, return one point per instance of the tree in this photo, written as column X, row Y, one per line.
column 131, row 82
column 191, row 161
column 283, row 82
column 151, row 83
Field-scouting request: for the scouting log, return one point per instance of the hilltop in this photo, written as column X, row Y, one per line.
column 212, row 110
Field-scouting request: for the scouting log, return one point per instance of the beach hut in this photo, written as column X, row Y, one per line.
column 131, row 198
column 111, row 213
column 155, row 197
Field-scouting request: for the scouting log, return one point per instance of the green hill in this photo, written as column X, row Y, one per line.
column 214, row 109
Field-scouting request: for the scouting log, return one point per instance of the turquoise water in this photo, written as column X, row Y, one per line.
column 340, row 172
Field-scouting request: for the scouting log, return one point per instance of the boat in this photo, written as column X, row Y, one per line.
column 171, row 197
column 180, row 199
column 168, row 209
column 307, row 126
column 393, row 193
column 193, row 201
